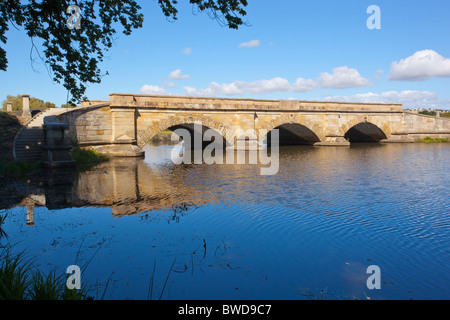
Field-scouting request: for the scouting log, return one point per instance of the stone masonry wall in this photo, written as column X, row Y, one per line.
column 89, row 124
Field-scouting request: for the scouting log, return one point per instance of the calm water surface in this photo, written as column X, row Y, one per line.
column 308, row 232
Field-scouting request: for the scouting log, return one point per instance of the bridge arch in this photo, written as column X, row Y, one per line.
column 147, row 132
column 294, row 130
column 365, row 131
column 294, row 134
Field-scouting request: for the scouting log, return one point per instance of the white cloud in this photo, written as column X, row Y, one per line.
column 422, row 65
column 237, row 88
column 342, row 78
column 265, row 86
column 150, row 89
column 304, row 85
column 215, row 89
column 250, row 44
column 170, row 85
column 177, row 75
column 187, row 51
column 409, row 98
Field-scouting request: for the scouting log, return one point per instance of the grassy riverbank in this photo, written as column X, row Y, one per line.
column 85, row 159
column 432, row 140
column 19, row 169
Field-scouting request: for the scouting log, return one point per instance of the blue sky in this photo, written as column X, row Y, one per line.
column 291, row 49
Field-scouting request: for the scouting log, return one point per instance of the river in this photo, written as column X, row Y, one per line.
column 150, row 229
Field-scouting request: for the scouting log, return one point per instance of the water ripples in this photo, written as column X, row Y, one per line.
column 326, row 208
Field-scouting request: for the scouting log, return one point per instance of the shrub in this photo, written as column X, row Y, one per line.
column 88, row 157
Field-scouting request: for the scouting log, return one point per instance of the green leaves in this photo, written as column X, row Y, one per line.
column 228, row 13
column 74, row 55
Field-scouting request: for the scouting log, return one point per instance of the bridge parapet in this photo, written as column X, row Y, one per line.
column 200, row 103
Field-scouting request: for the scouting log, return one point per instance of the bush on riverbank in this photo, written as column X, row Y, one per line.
column 86, row 158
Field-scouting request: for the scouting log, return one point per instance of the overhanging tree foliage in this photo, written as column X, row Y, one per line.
column 73, row 55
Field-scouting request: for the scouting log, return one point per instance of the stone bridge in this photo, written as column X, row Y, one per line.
column 127, row 122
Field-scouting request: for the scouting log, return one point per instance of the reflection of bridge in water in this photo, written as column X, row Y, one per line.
column 131, row 186
column 128, row 186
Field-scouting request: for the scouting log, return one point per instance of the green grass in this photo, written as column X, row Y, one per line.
column 21, row 280
column 433, row 140
column 14, row 272
column 18, row 168
column 3, row 234
column 52, row 287
column 86, row 158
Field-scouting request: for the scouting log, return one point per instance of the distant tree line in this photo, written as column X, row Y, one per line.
column 68, row 105
column 35, row 103
column 428, row 113
column 444, row 114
